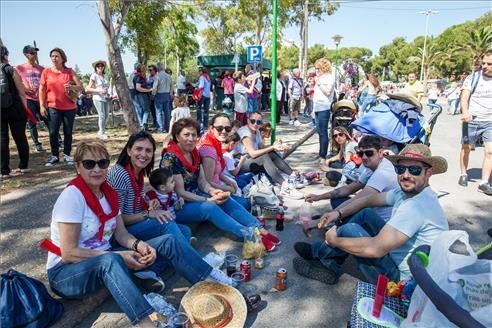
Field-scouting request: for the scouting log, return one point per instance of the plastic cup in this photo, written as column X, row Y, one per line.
column 181, row 320
column 238, row 277
column 230, row 262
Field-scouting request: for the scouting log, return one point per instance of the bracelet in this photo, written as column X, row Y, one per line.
column 135, row 244
column 339, row 220
column 145, row 213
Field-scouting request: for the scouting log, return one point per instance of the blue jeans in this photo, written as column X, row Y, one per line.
column 365, row 223
column 453, row 106
column 55, row 119
column 136, row 103
column 369, row 101
column 244, row 202
column 181, row 92
column 322, row 120
column 243, row 179
column 102, row 108
column 252, row 105
column 230, row 216
column 162, row 103
column 143, row 110
column 203, row 105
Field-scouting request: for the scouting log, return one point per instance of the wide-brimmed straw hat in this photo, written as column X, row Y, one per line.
column 421, row 153
column 211, row 305
column 406, row 97
column 345, row 103
column 99, row 62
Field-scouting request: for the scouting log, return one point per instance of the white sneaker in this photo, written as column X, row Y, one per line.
column 68, row 160
column 297, row 123
column 289, row 191
column 291, row 122
column 103, row 136
column 218, row 276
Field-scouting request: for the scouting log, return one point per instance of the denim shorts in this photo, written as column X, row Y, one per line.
column 472, row 131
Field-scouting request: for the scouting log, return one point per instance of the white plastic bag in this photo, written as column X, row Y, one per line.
column 452, row 271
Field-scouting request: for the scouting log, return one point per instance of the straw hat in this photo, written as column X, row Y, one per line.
column 344, row 103
column 211, row 305
column 406, row 97
column 421, row 153
column 99, row 62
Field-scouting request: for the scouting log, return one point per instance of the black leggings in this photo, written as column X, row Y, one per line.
column 15, row 119
column 273, row 165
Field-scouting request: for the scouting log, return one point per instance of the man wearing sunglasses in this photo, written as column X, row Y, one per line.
column 382, row 247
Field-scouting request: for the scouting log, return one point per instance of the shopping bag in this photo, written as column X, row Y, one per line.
column 463, row 277
column 252, row 247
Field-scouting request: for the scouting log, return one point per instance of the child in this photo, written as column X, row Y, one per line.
column 181, row 109
column 232, row 167
column 163, row 197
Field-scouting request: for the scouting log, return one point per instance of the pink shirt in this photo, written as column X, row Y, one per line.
column 228, row 85
column 209, row 151
column 30, row 75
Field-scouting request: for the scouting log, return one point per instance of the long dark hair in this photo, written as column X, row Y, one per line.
column 211, row 122
column 124, row 159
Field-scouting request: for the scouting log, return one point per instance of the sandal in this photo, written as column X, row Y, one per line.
column 269, row 245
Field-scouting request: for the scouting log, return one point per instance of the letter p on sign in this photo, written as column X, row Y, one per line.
column 254, row 54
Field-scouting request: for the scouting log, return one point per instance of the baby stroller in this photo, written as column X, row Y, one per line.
column 343, row 114
column 189, row 94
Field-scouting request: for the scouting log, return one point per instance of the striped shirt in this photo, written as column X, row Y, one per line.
column 119, row 179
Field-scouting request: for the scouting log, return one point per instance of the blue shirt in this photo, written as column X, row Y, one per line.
column 421, row 218
column 204, row 84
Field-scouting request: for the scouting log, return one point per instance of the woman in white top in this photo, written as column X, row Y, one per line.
column 98, row 87
column 453, row 95
column 373, row 87
column 240, row 96
column 433, row 93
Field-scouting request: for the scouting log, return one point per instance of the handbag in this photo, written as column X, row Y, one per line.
column 25, row 302
column 197, row 94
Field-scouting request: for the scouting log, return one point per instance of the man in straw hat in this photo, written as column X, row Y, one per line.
column 379, row 246
column 213, row 305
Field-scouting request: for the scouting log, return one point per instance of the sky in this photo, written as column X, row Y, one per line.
column 75, row 27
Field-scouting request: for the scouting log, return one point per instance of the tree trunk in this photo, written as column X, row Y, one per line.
column 305, row 40
column 116, row 63
column 259, row 18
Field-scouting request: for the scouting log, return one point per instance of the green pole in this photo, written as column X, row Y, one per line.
column 273, row 112
column 336, row 65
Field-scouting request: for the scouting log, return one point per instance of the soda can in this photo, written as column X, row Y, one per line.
column 259, row 263
column 281, row 279
column 261, row 219
column 245, row 267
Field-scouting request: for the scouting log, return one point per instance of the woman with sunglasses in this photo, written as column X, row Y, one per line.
column 98, row 87
column 203, row 202
column 88, row 236
column 252, row 145
column 346, row 157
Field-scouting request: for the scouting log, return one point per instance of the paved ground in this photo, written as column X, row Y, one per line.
column 25, row 219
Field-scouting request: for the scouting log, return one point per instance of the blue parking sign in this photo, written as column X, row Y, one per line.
column 254, row 54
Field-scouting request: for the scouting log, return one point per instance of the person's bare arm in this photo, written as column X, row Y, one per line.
column 78, row 84
column 141, row 89
column 69, row 244
column 237, row 169
column 327, row 90
column 254, row 153
column 208, row 165
column 42, row 100
column 340, row 192
column 366, row 191
column 465, row 101
column 20, row 87
column 179, row 188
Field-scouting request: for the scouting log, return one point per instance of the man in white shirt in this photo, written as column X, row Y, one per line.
column 181, row 83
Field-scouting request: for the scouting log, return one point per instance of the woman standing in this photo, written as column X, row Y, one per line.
column 58, row 92
column 143, row 91
column 202, row 201
column 373, row 87
column 240, row 96
column 99, row 86
column 228, row 85
column 323, row 95
column 13, row 116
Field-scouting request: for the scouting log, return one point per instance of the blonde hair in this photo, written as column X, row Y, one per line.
column 324, row 65
column 94, row 147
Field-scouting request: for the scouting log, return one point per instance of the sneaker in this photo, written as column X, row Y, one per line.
column 39, row 148
column 300, row 181
column 312, row 124
column 103, row 136
column 68, row 160
column 289, row 191
column 52, row 161
column 291, row 122
column 272, row 238
column 304, row 250
column 217, row 275
column 150, row 281
column 269, row 245
column 463, row 181
column 297, row 123
column 313, row 269
column 486, row 188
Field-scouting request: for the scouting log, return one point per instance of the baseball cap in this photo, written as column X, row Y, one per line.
column 29, row 48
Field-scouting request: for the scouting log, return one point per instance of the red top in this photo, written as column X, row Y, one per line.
column 54, row 83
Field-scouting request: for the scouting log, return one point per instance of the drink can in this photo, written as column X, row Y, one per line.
column 281, row 279
column 261, row 219
column 259, row 263
column 245, row 267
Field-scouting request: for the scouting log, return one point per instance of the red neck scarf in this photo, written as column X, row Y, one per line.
column 137, row 188
column 153, row 195
column 210, row 140
column 174, row 149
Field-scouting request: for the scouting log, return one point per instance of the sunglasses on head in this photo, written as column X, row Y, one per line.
column 412, row 169
column 368, row 153
column 257, row 122
column 89, row 164
column 221, row 128
column 336, row 135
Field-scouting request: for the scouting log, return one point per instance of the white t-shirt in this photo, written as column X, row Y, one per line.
column 420, row 217
column 230, row 162
column 433, row 94
column 240, row 99
column 180, row 112
column 181, row 82
column 320, row 101
column 100, row 82
column 246, row 132
column 383, row 179
column 480, row 104
column 71, row 207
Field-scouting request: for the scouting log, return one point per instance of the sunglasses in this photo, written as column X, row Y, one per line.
column 99, row 65
column 257, row 122
column 221, row 128
column 89, row 164
column 33, row 53
column 368, row 153
column 412, row 169
column 336, row 135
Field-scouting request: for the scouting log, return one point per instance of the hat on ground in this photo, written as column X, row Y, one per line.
column 94, row 64
column 406, row 97
column 27, row 49
column 421, row 153
column 213, row 305
column 344, row 103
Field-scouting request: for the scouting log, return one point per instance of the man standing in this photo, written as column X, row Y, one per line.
column 30, row 73
column 161, row 89
column 150, row 82
column 181, row 83
column 476, row 106
column 382, row 247
column 295, row 95
column 414, row 87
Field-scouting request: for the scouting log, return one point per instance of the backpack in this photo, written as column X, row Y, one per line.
column 6, row 87
column 25, row 302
